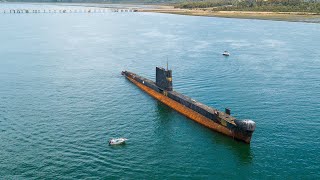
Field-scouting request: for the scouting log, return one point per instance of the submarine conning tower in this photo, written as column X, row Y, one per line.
column 164, row 79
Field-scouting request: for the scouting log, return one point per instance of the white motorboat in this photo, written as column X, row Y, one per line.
column 226, row 53
column 117, row 141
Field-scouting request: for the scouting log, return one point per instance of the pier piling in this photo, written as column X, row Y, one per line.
column 51, row 10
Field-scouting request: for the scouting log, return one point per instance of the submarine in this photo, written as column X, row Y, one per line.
column 209, row 117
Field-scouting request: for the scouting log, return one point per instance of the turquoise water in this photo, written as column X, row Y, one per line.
column 62, row 96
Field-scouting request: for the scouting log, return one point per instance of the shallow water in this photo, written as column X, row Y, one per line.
column 62, row 96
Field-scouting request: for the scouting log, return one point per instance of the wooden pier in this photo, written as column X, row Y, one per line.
column 57, row 10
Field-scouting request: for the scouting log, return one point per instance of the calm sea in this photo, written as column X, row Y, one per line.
column 62, row 96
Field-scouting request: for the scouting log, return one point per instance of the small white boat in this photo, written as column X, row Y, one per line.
column 226, row 53
column 117, row 141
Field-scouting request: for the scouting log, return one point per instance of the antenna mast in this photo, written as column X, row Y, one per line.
column 167, row 64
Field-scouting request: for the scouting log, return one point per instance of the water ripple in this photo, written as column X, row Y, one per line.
column 63, row 98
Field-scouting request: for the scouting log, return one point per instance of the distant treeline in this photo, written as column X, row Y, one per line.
column 255, row 5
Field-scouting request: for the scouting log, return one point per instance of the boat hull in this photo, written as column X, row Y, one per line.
column 193, row 115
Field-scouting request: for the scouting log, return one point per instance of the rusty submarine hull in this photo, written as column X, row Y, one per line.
column 212, row 118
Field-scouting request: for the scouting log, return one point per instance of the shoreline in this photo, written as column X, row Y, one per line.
column 207, row 12
column 274, row 16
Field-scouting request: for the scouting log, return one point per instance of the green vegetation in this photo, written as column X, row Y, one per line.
column 256, row 5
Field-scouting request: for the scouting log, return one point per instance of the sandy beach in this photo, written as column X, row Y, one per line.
column 277, row 16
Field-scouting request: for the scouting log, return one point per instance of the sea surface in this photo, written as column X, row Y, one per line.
column 62, row 96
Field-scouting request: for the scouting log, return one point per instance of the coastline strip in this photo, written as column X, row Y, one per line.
column 276, row 16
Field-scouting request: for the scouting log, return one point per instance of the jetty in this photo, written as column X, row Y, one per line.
column 65, row 10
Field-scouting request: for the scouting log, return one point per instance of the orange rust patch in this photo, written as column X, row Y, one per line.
column 184, row 110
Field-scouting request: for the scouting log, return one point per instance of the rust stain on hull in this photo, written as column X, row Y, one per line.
column 188, row 112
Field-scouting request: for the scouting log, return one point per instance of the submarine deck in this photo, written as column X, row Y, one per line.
column 221, row 115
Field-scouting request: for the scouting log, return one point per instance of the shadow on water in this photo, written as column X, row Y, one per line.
column 240, row 149
column 163, row 111
column 120, row 146
column 164, row 116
